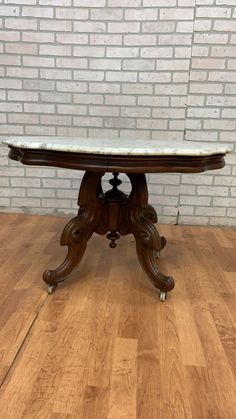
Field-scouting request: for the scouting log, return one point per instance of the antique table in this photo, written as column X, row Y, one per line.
column 114, row 212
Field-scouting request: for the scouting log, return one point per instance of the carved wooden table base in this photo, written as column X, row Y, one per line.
column 117, row 214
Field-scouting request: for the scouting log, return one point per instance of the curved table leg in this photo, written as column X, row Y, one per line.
column 147, row 244
column 148, row 240
column 78, row 231
column 75, row 235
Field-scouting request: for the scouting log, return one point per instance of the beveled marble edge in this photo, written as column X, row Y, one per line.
column 118, row 146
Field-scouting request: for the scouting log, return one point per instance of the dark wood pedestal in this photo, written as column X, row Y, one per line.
column 113, row 213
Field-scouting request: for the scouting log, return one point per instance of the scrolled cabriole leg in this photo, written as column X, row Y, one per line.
column 78, row 231
column 148, row 240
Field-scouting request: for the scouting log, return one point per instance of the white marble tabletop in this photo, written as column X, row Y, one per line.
column 119, row 146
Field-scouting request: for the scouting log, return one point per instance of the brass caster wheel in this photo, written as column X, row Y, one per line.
column 51, row 288
column 162, row 296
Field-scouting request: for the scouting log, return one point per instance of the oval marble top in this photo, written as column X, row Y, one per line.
column 119, row 146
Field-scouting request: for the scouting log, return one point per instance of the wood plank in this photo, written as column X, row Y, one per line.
column 104, row 346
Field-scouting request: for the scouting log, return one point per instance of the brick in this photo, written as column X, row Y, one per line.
column 111, row 122
column 172, row 89
column 71, row 131
column 89, row 27
column 71, row 13
column 39, row 130
column 195, row 200
column 22, row 96
column 53, row 25
column 142, row 14
column 213, row 190
column 123, row 27
column 122, row 76
column 10, row 60
column 155, row 77
column 106, row 14
column 70, row 86
column 24, row 119
column 200, row 51
column 140, row 39
column 72, row 62
column 210, row 38
column 39, row 108
column 175, row 39
column 159, row 3
column 55, row 120
column 44, row 12
column 39, row 61
column 9, row 36
column 87, row 121
column 182, row 52
column 89, row 51
column 203, row 113
column 10, row 84
column 202, row 25
column 39, row 37
column 176, row 14
column 55, row 74
column 224, row 202
column 104, row 110
column 105, row 64
column 54, row 50
column 88, row 99
column 72, row 109
column 72, row 38
column 20, row 2
column 156, row 52
column 225, row 25
column 124, row 3
column 10, row 107
column 221, row 100
column 89, row 3
column 223, row 76
column 138, row 64
column 163, row 65
column 135, row 112
column 168, row 113
column 158, row 27
column 9, row 11
column 232, row 64
column 208, row 63
column 11, row 23
column 153, row 101
column 137, row 89
column 206, row 88
column 39, row 85
column 21, row 48
column 226, row 51
column 105, row 39
column 151, row 124
column 55, row 97
column 120, row 100
column 104, row 87
column 122, row 52
column 216, row 12
column 89, row 75
column 55, row 2
column 40, row 193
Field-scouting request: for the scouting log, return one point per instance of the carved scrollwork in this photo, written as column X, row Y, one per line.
column 78, row 231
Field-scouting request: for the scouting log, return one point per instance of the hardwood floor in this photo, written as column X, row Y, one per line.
column 104, row 346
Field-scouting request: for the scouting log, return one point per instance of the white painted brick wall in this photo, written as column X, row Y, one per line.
column 120, row 68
